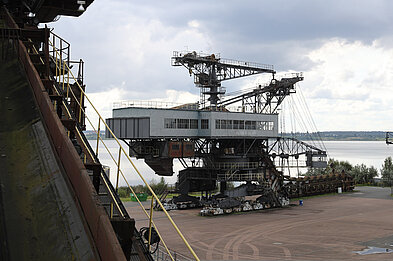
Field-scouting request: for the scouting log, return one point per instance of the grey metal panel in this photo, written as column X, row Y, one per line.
column 140, row 129
column 116, row 127
column 123, row 128
column 109, row 122
column 144, row 127
column 130, row 128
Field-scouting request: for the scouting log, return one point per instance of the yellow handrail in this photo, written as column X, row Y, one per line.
column 79, row 134
column 81, row 109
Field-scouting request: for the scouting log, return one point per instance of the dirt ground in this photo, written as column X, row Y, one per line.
column 327, row 227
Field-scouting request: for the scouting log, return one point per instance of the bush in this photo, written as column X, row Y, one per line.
column 387, row 172
column 123, row 192
column 361, row 174
column 158, row 188
column 334, row 166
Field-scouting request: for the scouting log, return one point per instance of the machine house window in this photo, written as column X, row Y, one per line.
column 170, row 123
column 251, row 125
column 204, row 124
column 241, row 125
column 183, row 123
column 238, row 125
column 180, row 123
column 193, row 124
column 224, row 124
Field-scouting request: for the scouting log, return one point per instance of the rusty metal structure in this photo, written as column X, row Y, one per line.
column 215, row 142
column 317, row 185
column 56, row 200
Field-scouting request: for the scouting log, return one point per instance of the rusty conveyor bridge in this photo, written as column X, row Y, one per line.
column 56, row 202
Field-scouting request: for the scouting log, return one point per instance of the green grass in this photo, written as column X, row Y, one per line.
column 125, row 199
column 169, row 196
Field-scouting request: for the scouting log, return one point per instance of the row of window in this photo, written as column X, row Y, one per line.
column 244, row 125
column 170, row 123
column 185, row 123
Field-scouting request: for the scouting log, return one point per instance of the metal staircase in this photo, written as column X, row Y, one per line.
column 46, row 60
column 72, row 118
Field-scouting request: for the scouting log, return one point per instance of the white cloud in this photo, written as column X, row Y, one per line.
column 129, row 44
column 102, row 102
column 180, row 97
column 193, row 24
column 349, row 88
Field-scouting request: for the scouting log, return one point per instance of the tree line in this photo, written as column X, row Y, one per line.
column 157, row 187
column 361, row 173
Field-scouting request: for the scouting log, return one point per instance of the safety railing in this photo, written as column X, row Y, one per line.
column 195, row 54
column 240, row 176
column 155, row 105
column 247, row 64
column 237, row 165
column 290, row 75
column 162, row 255
column 60, row 76
column 290, row 162
column 177, row 106
column 59, row 48
column 64, row 75
column 216, row 57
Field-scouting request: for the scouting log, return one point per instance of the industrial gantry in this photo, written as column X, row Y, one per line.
column 214, row 142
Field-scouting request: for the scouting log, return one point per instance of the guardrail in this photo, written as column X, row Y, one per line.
column 162, row 255
column 155, row 105
column 237, row 165
column 216, row 58
column 241, row 176
column 94, row 217
column 64, row 75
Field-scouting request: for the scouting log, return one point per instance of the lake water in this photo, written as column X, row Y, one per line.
column 370, row 153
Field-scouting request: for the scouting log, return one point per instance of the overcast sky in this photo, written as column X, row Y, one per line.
column 344, row 48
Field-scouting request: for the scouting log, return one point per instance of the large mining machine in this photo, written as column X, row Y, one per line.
column 219, row 139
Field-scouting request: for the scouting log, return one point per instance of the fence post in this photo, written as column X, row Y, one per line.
column 151, row 218
column 98, row 135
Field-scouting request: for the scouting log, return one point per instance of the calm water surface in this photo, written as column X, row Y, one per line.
column 370, row 153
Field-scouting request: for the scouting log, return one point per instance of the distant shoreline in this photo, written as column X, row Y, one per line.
column 347, row 139
column 323, row 135
column 340, row 136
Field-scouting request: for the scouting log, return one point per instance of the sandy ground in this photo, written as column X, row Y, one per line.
column 327, row 227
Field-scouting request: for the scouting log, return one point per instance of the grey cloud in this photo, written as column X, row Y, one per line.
column 273, row 32
column 282, row 19
column 323, row 93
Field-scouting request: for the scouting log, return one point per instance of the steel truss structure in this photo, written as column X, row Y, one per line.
column 210, row 70
column 209, row 160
